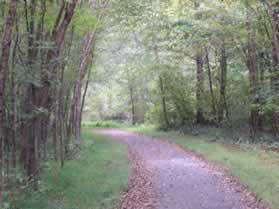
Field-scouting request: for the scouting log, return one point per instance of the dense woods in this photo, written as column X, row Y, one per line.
column 191, row 63
column 46, row 54
column 175, row 63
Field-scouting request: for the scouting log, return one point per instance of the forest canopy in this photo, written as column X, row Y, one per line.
column 180, row 63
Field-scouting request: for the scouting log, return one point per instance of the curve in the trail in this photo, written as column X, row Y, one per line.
column 178, row 179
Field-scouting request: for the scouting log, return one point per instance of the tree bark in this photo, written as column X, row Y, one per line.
column 253, row 73
column 133, row 108
column 213, row 102
column 4, row 60
column 86, row 51
column 14, row 105
column 162, row 91
column 85, row 93
column 164, row 102
column 199, row 88
column 4, row 68
column 273, row 8
column 223, row 81
column 40, row 97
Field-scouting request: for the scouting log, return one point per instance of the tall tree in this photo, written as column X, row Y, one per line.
column 210, row 82
column 273, row 8
column 40, row 97
column 4, row 60
column 223, row 82
column 4, row 68
column 253, row 70
column 199, row 87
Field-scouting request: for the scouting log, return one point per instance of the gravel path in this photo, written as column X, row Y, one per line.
column 164, row 176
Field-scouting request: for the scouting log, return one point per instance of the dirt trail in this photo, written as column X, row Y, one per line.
column 164, row 176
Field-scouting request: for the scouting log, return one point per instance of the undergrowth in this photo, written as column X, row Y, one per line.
column 94, row 180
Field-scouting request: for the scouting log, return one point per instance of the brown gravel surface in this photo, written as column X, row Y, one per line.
column 165, row 176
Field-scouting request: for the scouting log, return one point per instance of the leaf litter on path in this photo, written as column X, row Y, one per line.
column 165, row 176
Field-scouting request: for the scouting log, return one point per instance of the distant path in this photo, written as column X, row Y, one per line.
column 164, row 176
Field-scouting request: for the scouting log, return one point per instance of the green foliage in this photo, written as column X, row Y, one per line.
column 154, row 114
column 50, row 16
column 85, row 20
column 162, row 39
column 180, row 94
column 105, row 124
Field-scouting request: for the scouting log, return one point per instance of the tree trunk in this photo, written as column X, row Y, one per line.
column 55, row 134
column 4, row 60
column 199, row 88
column 223, row 81
column 253, row 73
column 85, row 93
column 77, row 98
column 213, row 102
column 4, row 68
column 164, row 103
column 133, row 108
column 162, row 91
column 273, row 8
column 39, row 97
column 14, row 114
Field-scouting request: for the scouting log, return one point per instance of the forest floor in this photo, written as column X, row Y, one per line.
column 164, row 175
column 95, row 179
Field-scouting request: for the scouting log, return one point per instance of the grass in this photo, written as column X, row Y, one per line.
column 105, row 124
column 256, row 168
column 93, row 181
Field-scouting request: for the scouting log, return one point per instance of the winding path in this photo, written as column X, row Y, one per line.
column 164, row 176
